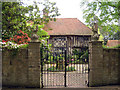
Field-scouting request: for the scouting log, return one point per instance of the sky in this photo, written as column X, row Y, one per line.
column 69, row 9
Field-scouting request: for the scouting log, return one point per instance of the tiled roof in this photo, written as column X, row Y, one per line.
column 67, row 26
column 112, row 43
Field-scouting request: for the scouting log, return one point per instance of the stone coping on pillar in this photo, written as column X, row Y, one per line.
column 35, row 41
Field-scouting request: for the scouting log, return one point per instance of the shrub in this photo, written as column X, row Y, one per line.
column 20, row 38
column 54, row 69
column 70, row 68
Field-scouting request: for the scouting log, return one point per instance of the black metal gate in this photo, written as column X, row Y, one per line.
column 64, row 66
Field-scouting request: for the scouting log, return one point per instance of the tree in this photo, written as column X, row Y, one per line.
column 107, row 13
column 16, row 15
column 117, row 35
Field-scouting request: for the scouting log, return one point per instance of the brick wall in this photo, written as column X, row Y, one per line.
column 22, row 68
column 15, row 67
column 104, row 65
column 111, row 66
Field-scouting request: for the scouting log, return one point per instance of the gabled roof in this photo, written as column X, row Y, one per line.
column 67, row 26
column 112, row 43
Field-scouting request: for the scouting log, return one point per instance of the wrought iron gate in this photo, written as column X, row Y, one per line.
column 64, row 65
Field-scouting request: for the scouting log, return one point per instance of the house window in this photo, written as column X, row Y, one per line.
column 59, row 41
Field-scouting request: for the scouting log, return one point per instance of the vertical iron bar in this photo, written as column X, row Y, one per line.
column 59, row 62
column 75, row 60
column 88, row 65
column 54, row 80
column 79, row 66
column 50, row 74
column 65, row 67
column 85, row 69
column 41, row 54
column 62, row 58
column 82, row 61
column 47, row 74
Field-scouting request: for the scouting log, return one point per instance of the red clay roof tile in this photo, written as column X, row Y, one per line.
column 112, row 43
column 67, row 26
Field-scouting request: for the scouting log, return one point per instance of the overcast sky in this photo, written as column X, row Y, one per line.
column 69, row 9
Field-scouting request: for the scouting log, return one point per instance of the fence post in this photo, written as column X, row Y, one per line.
column 34, row 66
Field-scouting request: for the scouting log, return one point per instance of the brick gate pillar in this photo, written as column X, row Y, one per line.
column 34, row 62
column 95, row 63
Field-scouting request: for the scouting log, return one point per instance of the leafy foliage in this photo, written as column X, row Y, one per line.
column 107, row 14
column 54, row 69
column 117, row 35
column 16, row 15
column 76, row 57
column 80, row 56
column 43, row 35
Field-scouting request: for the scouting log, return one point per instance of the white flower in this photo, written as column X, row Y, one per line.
column 11, row 45
column 3, row 42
